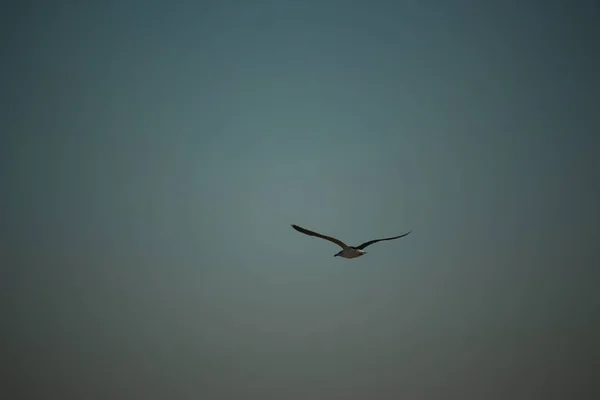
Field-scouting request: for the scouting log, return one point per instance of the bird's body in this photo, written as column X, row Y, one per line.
column 347, row 251
column 350, row 252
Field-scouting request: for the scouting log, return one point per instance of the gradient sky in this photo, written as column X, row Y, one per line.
column 154, row 154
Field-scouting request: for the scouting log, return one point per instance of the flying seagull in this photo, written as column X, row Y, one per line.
column 347, row 251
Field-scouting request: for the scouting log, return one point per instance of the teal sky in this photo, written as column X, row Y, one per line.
column 154, row 154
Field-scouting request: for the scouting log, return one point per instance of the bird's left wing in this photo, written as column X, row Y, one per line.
column 311, row 233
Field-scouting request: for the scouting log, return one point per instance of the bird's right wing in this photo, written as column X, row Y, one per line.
column 370, row 242
column 311, row 233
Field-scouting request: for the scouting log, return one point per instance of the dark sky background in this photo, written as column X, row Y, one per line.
column 153, row 155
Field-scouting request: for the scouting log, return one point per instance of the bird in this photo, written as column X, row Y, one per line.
column 347, row 251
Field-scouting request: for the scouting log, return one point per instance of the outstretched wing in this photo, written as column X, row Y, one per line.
column 311, row 233
column 370, row 242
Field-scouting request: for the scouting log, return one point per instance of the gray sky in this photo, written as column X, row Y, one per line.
column 154, row 154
